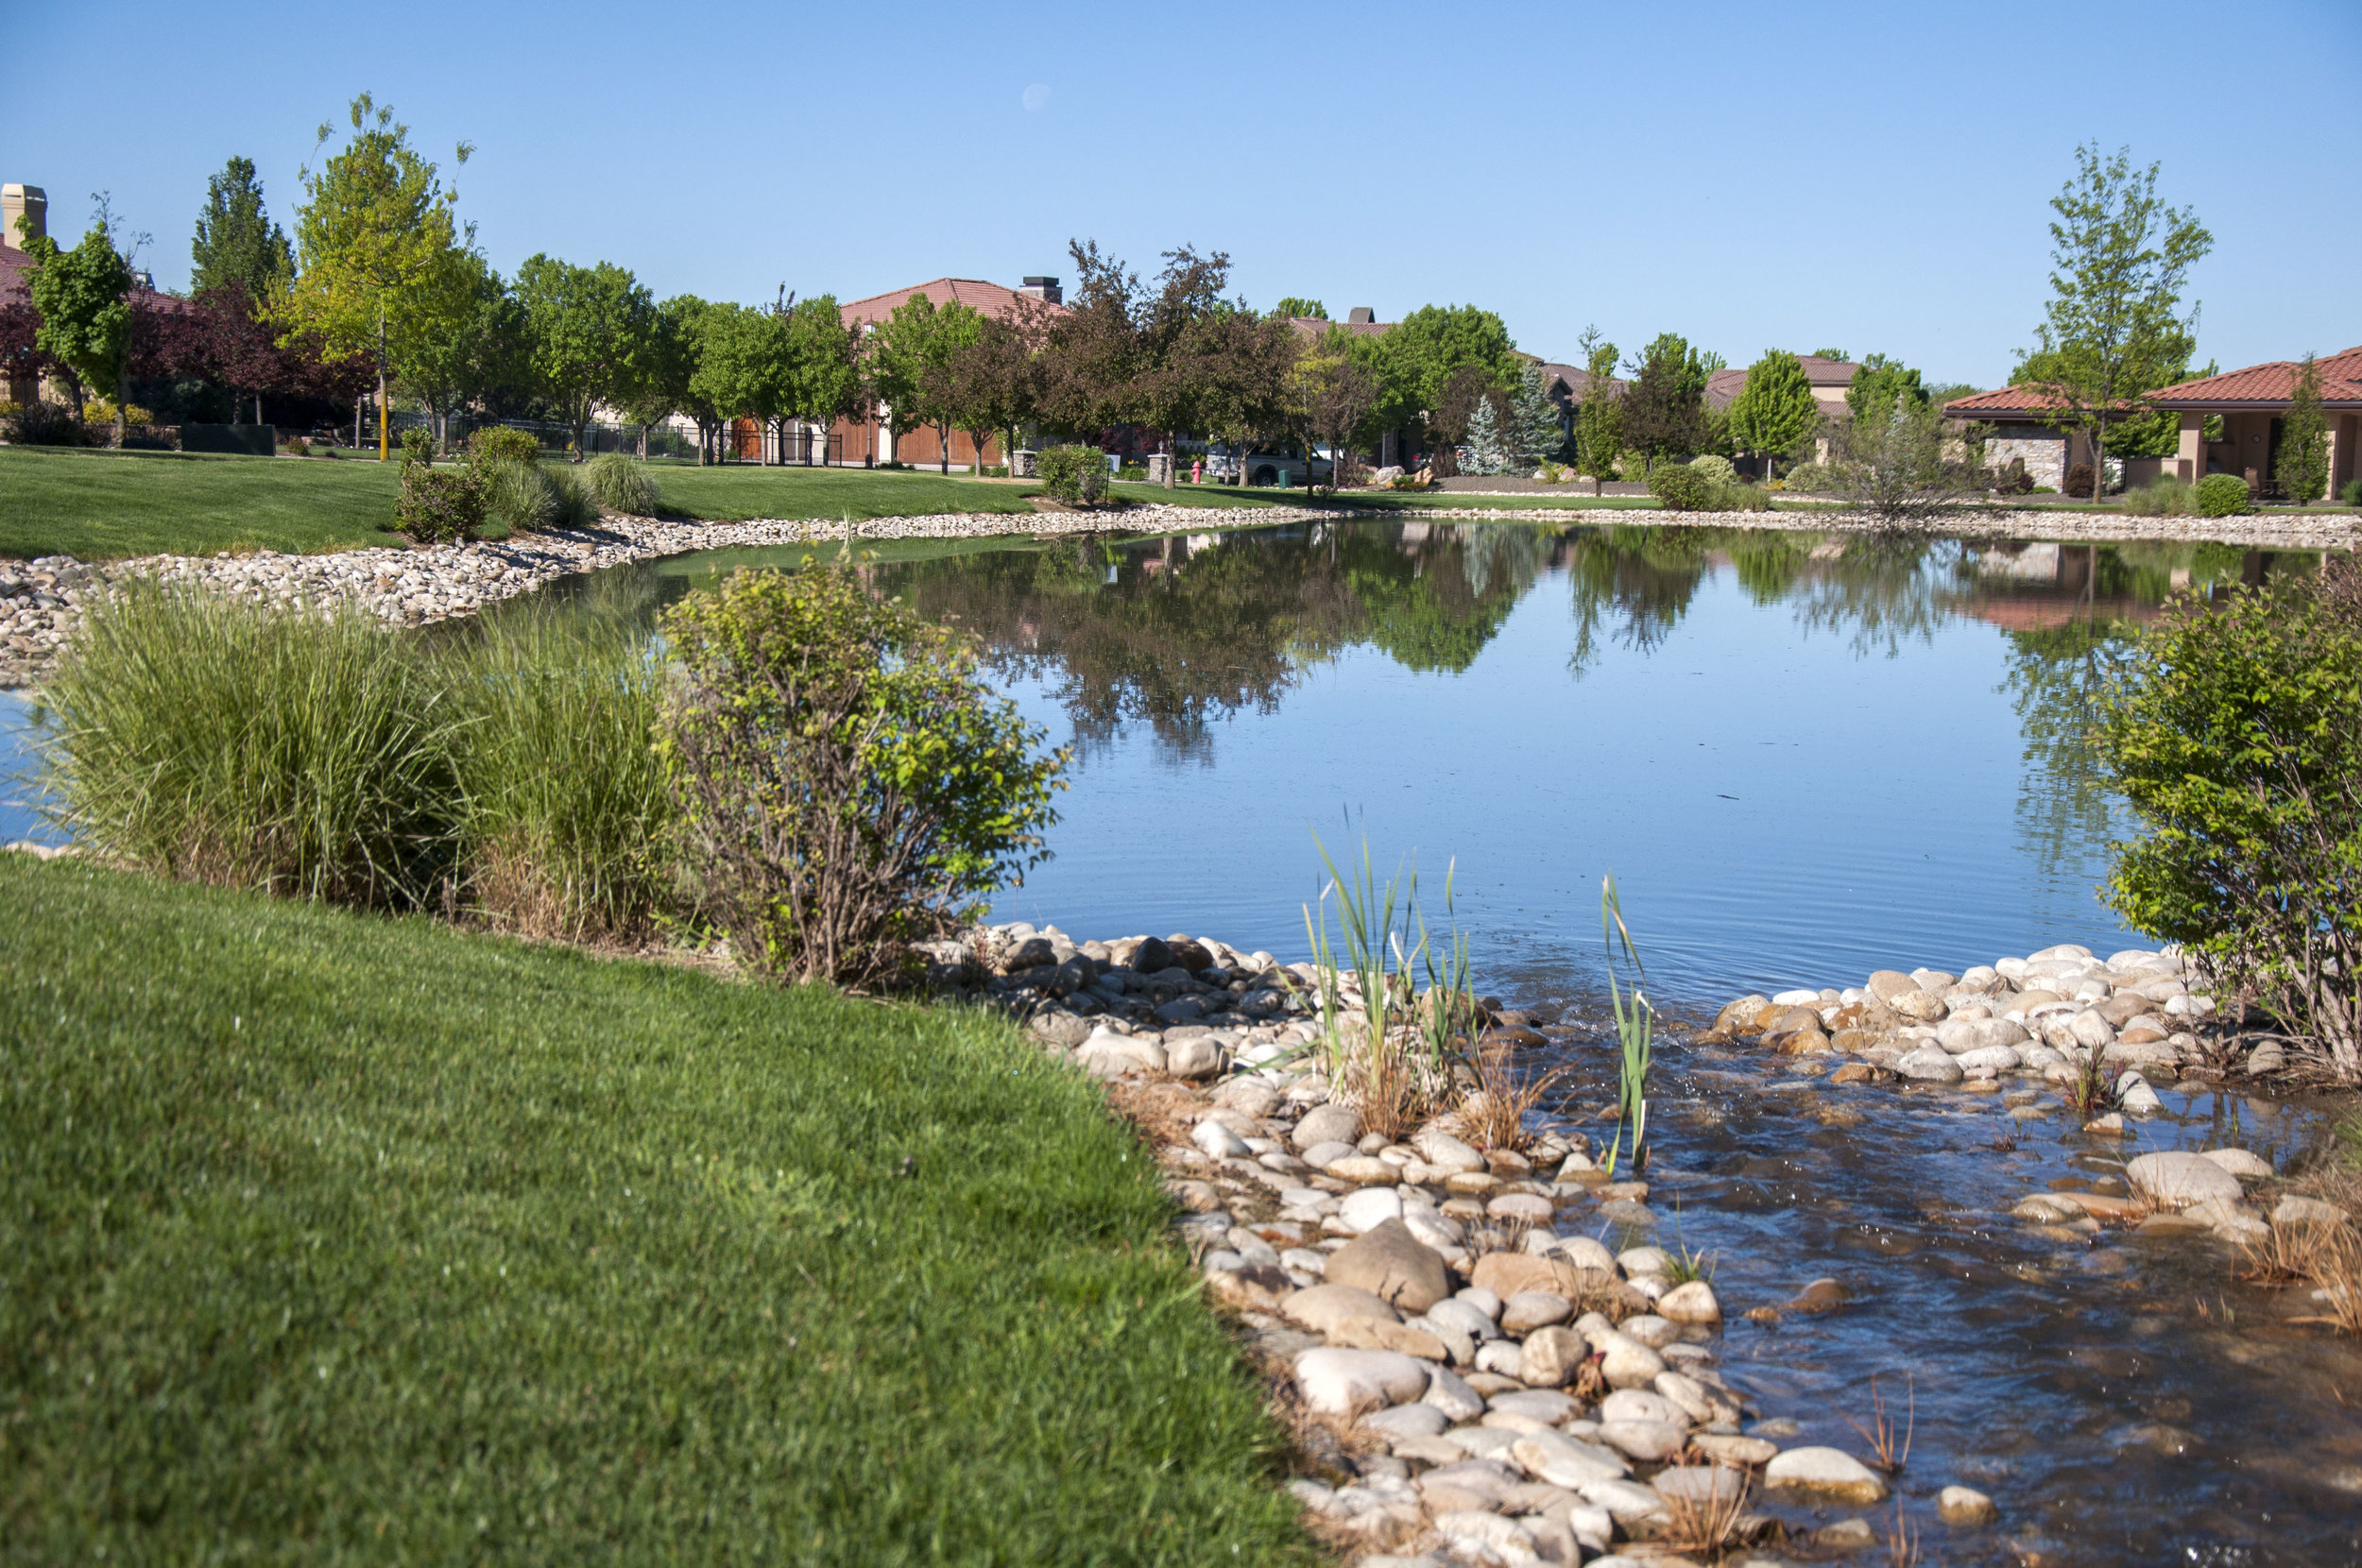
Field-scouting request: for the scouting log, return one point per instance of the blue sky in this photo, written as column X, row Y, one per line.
column 1864, row 177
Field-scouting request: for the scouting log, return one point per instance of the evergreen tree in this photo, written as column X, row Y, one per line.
column 236, row 242
column 1775, row 409
column 2301, row 467
column 1486, row 452
column 1535, row 433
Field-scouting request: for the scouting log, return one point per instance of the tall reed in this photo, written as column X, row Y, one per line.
column 1636, row 1034
column 1397, row 1062
column 221, row 741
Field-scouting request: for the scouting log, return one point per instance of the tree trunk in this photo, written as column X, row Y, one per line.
column 356, row 422
column 942, row 448
column 123, row 397
column 1172, row 482
column 381, row 382
column 2099, row 459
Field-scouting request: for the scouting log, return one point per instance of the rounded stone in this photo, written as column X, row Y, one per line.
column 1550, row 1356
column 1393, row 1265
column 1350, row 1383
column 1326, row 1307
column 2240, row 1162
column 1528, row 1310
column 1330, row 1123
column 1826, row 1471
column 1692, row 1303
column 2176, row 1179
column 1367, row 1208
column 1965, row 1506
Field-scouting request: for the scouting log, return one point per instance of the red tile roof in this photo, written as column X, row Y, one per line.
column 975, row 293
column 2275, row 383
column 2031, row 401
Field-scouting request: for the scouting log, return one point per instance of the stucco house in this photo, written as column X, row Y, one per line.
column 2023, row 422
column 1829, row 378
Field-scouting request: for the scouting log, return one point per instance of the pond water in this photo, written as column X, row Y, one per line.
column 1803, row 759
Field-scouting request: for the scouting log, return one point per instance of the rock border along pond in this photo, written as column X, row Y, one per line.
column 1481, row 1381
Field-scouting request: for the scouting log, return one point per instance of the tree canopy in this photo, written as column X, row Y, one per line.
column 585, row 328
column 1665, row 408
column 1877, row 382
column 1419, row 355
column 236, row 242
column 1294, row 307
column 1775, row 409
column 2114, row 330
column 82, row 295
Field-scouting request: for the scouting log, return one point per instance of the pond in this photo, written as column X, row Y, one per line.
column 1803, row 759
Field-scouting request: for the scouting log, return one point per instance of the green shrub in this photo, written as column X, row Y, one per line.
column 2223, row 495
column 563, row 808
column 440, row 505
column 1075, row 474
column 230, row 743
column 846, row 784
column 2351, row 495
column 42, row 423
column 620, row 485
column 494, row 442
column 2235, row 732
column 1813, row 479
column 528, row 498
column 1717, row 467
column 1683, row 488
column 2168, row 496
column 417, row 446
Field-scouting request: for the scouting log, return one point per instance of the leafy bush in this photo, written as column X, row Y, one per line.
column 2235, row 734
column 294, row 446
column 1074, row 474
column 1683, row 488
column 2079, row 482
column 229, row 743
column 440, row 505
column 846, row 784
column 2012, row 479
column 2351, row 493
column 417, row 446
column 620, row 485
column 42, row 423
column 1812, row 479
column 1717, row 467
column 2223, row 495
column 495, row 442
column 1903, row 469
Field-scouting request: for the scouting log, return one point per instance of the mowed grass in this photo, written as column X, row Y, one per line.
column 738, row 492
column 332, row 1238
column 104, row 506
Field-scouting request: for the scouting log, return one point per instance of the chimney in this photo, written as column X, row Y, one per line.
column 1044, row 289
column 1361, row 316
column 29, row 202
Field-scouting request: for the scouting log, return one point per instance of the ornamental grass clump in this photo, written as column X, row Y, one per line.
column 620, row 485
column 2234, row 733
column 563, row 808
column 844, row 783
column 306, row 755
column 1636, row 1036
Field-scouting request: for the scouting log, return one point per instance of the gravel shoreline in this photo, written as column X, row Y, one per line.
column 41, row 600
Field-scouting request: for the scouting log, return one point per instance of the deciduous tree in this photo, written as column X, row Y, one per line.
column 1599, row 418
column 826, row 354
column 988, row 384
column 382, row 261
column 1296, row 308
column 1775, row 409
column 471, row 351
column 82, row 297
column 2113, row 331
column 584, row 329
column 1664, row 406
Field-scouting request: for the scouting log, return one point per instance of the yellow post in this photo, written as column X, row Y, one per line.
column 381, row 381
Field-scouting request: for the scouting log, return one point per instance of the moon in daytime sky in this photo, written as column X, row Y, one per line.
column 1036, row 95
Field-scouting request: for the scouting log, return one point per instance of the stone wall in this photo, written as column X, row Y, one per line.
column 2045, row 455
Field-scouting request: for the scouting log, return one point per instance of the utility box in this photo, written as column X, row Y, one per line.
column 248, row 440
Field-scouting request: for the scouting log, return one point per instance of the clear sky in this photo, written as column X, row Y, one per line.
column 1865, row 176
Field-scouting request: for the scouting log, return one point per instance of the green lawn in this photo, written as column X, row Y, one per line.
column 735, row 492
column 100, row 506
column 326, row 1237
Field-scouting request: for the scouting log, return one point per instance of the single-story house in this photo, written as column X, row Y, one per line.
column 2023, row 422
column 2250, row 403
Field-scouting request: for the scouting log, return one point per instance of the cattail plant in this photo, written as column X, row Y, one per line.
column 1635, row 1031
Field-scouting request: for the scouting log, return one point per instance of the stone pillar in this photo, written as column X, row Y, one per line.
column 2339, row 448
column 2191, row 461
